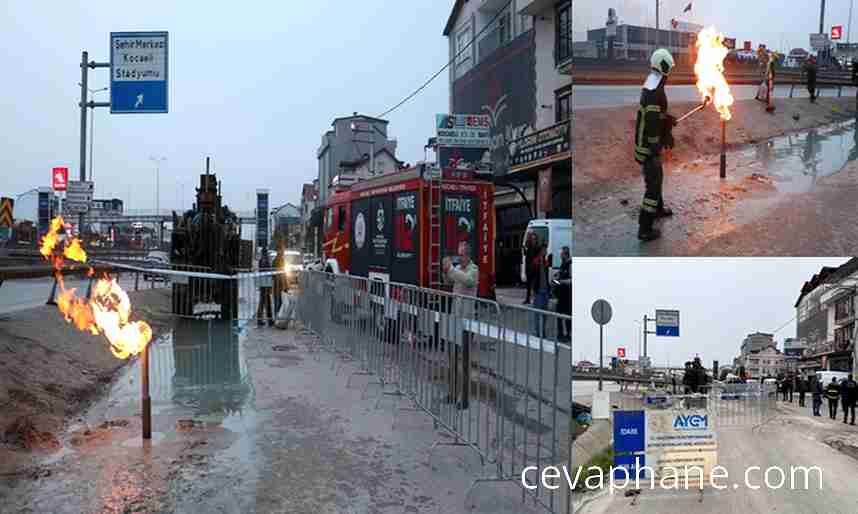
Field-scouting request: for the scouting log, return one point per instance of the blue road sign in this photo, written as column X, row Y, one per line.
column 633, row 464
column 667, row 323
column 629, row 431
column 138, row 72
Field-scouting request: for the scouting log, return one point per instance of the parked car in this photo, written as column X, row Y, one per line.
column 159, row 260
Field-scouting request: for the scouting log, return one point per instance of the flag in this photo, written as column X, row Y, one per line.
column 687, row 7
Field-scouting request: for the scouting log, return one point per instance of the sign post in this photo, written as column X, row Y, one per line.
column 667, row 323
column 138, row 72
column 79, row 197
column 262, row 219
column 601, row 312
column 60, row 178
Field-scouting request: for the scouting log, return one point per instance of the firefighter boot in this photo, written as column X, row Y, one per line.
column 646, row 231
column 663, row 211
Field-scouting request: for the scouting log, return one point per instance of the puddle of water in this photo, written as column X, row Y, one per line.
column 138, row 442
column 796, row 161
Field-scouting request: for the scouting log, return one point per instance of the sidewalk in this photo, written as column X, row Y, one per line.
column 262, row 422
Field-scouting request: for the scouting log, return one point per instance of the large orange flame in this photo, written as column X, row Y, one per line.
column 709, row 69
column 107, row 312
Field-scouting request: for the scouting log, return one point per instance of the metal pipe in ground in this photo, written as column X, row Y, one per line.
column 146, row 404
column 723, row 148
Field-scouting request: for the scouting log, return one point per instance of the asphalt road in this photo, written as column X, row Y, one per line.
column 790, row 440
column 17, row 295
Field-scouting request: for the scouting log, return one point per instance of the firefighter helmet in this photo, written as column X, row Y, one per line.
column 661, row 61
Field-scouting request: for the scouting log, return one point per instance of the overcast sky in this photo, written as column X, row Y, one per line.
column 720, row 300
column 776, row 23
column 253, row 84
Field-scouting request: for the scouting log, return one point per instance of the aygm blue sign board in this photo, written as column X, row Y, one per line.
column 138, row 72
column 667, row 323
column 629, row 442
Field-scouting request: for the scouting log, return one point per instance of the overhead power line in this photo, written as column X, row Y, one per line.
column 449, row 63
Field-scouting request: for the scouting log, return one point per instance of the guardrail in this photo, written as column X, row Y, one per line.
column 494, row 378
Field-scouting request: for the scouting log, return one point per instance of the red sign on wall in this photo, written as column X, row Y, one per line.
column 60, row 179
column 836, row 32
column 621, row 352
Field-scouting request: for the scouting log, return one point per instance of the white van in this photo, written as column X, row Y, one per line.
column 824, row 377
column 554, row 234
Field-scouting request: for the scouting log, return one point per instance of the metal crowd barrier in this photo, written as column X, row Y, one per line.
column 199, row 293
column 494, row 378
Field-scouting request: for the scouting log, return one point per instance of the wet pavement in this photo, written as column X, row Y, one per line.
column 253, row 420
column 791, row 195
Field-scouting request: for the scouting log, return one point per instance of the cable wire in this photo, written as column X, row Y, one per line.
column 449, row 63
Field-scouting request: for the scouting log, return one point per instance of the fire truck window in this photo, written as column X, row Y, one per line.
column 329, row 214
column 341, row 219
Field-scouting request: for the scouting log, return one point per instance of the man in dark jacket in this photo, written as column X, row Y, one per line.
column 810, row 72
column 531, row 247
column 832, row 394
column 802, row 390
column 817, row 396
column 848, row 396
column 264, row 292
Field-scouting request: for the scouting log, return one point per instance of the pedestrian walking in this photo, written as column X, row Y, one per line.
column 541, row 290
column 810, row 73
column 782, row 387
column 792, row 386
column 848, row 397
column 654, row 137
column 264, row 292
column 465, row 278
column 531, row 246
column 817, row 396
column 832, row 394
column 563, row 288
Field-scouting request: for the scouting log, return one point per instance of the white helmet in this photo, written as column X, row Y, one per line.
column 661, row 61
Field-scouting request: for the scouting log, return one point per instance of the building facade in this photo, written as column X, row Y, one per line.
column 825, row 313
column 759, row 357
column 352, row 139
column 513, row 61
column 309, row 202
column 635, row 43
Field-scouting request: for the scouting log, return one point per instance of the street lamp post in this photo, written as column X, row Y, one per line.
column 92, row 93
column 158, row 161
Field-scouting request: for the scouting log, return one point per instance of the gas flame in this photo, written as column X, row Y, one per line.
column 107, row 312
column 50, row 240
column 709, row 69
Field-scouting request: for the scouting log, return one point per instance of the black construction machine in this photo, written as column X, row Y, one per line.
column 207, row 239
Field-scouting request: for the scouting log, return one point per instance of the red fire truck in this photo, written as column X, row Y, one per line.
column 398, row 227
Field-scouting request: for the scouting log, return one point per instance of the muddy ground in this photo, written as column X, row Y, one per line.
column 50, row 372
column 604, row 138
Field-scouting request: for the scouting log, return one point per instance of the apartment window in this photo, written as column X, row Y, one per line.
column 843, row 335
column 341, row 218
column 504, row 29
column 844, row 308
column 463, row 56
column 563, row 103
column 564, row 32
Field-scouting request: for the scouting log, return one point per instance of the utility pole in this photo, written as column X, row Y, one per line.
column 84, row 56
column 822, row 17
column 657, row 26
column 849, row 25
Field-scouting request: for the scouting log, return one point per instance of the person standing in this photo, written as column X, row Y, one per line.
column 541, row 291
column 817, row 396
column 810, row 73
column 789, row 387
column 802, row 390
column 654, row 136
column 280, row 285
column 264, row 292
column 564, row 295
column 848, row 397
column 530, row 249
column 832, row 394
column 465, row 278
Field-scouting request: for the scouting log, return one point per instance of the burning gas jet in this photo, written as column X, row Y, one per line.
column 709, row 69
column 107, row 312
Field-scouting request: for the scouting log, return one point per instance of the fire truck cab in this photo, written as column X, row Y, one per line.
column 398, row 227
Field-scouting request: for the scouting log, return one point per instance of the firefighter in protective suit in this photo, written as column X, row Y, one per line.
column 653, row 133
